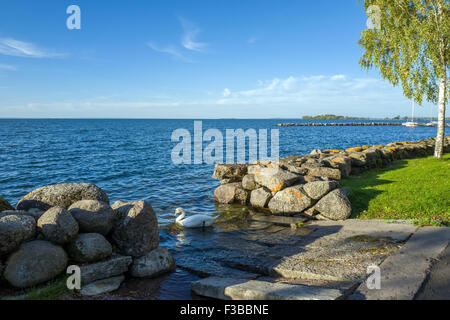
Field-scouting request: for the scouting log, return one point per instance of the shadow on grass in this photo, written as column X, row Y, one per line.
column 363, row 186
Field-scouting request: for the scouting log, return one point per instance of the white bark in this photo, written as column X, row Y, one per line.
column 438, row 149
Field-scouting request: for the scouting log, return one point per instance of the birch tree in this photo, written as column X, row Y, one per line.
column 408, row 42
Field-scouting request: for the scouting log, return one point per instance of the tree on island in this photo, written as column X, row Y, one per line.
column 409, row 44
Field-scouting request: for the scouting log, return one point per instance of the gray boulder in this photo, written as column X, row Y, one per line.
column 325, row 172
column 89, row 247
column 4, row 205
column 62, row 195
column 93, row 216
column 229, row 171
column 153, row 264
column 114, row 266
column 57, row 225
column 14, row 230
column 335, row 205
column 276, row 179
column 344, row 164
column 231, row 193
column 249, row 183
column 102, row 286
column 260, row 197
column 318, row 189
column 136, row 229
column 34, row 263
column 290, row 200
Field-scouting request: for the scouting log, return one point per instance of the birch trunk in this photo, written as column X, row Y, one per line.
column 438, row 149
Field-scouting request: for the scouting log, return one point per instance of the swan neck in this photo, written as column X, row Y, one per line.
column 180, row 217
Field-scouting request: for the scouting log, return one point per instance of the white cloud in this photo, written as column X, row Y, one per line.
column 169, row 50
column 338, row 77
column 12, row 47
column 190, row 32
column 226, row 92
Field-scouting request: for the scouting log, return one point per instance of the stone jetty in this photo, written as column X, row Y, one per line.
column 341, row 124
column 308, row 185
column 68, row 224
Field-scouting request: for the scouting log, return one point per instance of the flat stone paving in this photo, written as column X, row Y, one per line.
column 321, row 255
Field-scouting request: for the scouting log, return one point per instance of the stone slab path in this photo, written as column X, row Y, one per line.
column 265, row 258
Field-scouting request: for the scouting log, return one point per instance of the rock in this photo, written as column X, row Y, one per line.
column 229, row 171
column 290, row 200
column 249, row 183
column 325, row 172
column 136, row 229
column 93, row 216
column 63, row 195
column 344, row 164
column 153, row 264
column 102, row 286
column 359, row 159
column 89, row 247
column 57, row 225
column 231, row 193
column 260, row 197
column 114, row 266
column 316, row 152
column 14, row 230
column 34, row 263
column 335, row 205
column 34, row 212
column 276, row 179
column 312, row 179
column 347, row 191
column 4, row 205
column 226, row 181
column 318, row 189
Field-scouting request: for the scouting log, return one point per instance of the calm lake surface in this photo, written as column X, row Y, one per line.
column 131, row 159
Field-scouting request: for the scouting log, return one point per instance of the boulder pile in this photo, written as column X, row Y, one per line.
column 66, row 224
column 309, row 185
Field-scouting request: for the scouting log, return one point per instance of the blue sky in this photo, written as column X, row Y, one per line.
column 189, row 59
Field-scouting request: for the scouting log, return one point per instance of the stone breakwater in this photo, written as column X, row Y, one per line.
column 344, row 124
column 309, row 185
column 74, row 224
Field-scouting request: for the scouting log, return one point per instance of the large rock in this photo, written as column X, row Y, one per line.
column 93, row 216
column 289, row 201
column 276, row 179
column 153, row 264
column 318, row 189
column 4, row 205
column 102, row 286
column 57, row 225
column 260, row 197
column 14, row 230
column 89, row 247
column 249, row 183
column 63, row 195
column 136, row 229
column 114, row 266
column 335, row 205
column 344, row 164
column 34, row 263
column 325, row 172
column 231, row 193
column 229, row 171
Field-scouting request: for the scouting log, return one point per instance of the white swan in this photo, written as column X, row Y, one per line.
column 195, row 221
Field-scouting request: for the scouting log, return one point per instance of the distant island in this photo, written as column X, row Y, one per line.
column 335, row 117
column 332, row 117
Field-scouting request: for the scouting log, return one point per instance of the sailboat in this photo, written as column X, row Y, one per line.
column 411, row 123
column 431, row 123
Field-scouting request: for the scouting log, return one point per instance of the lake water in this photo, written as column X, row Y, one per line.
column 131, row 159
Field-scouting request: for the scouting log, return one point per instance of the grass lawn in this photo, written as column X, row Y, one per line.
column 407, row 189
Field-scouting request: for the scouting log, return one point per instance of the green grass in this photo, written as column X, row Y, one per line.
column 416, row 189
column 55, row 290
